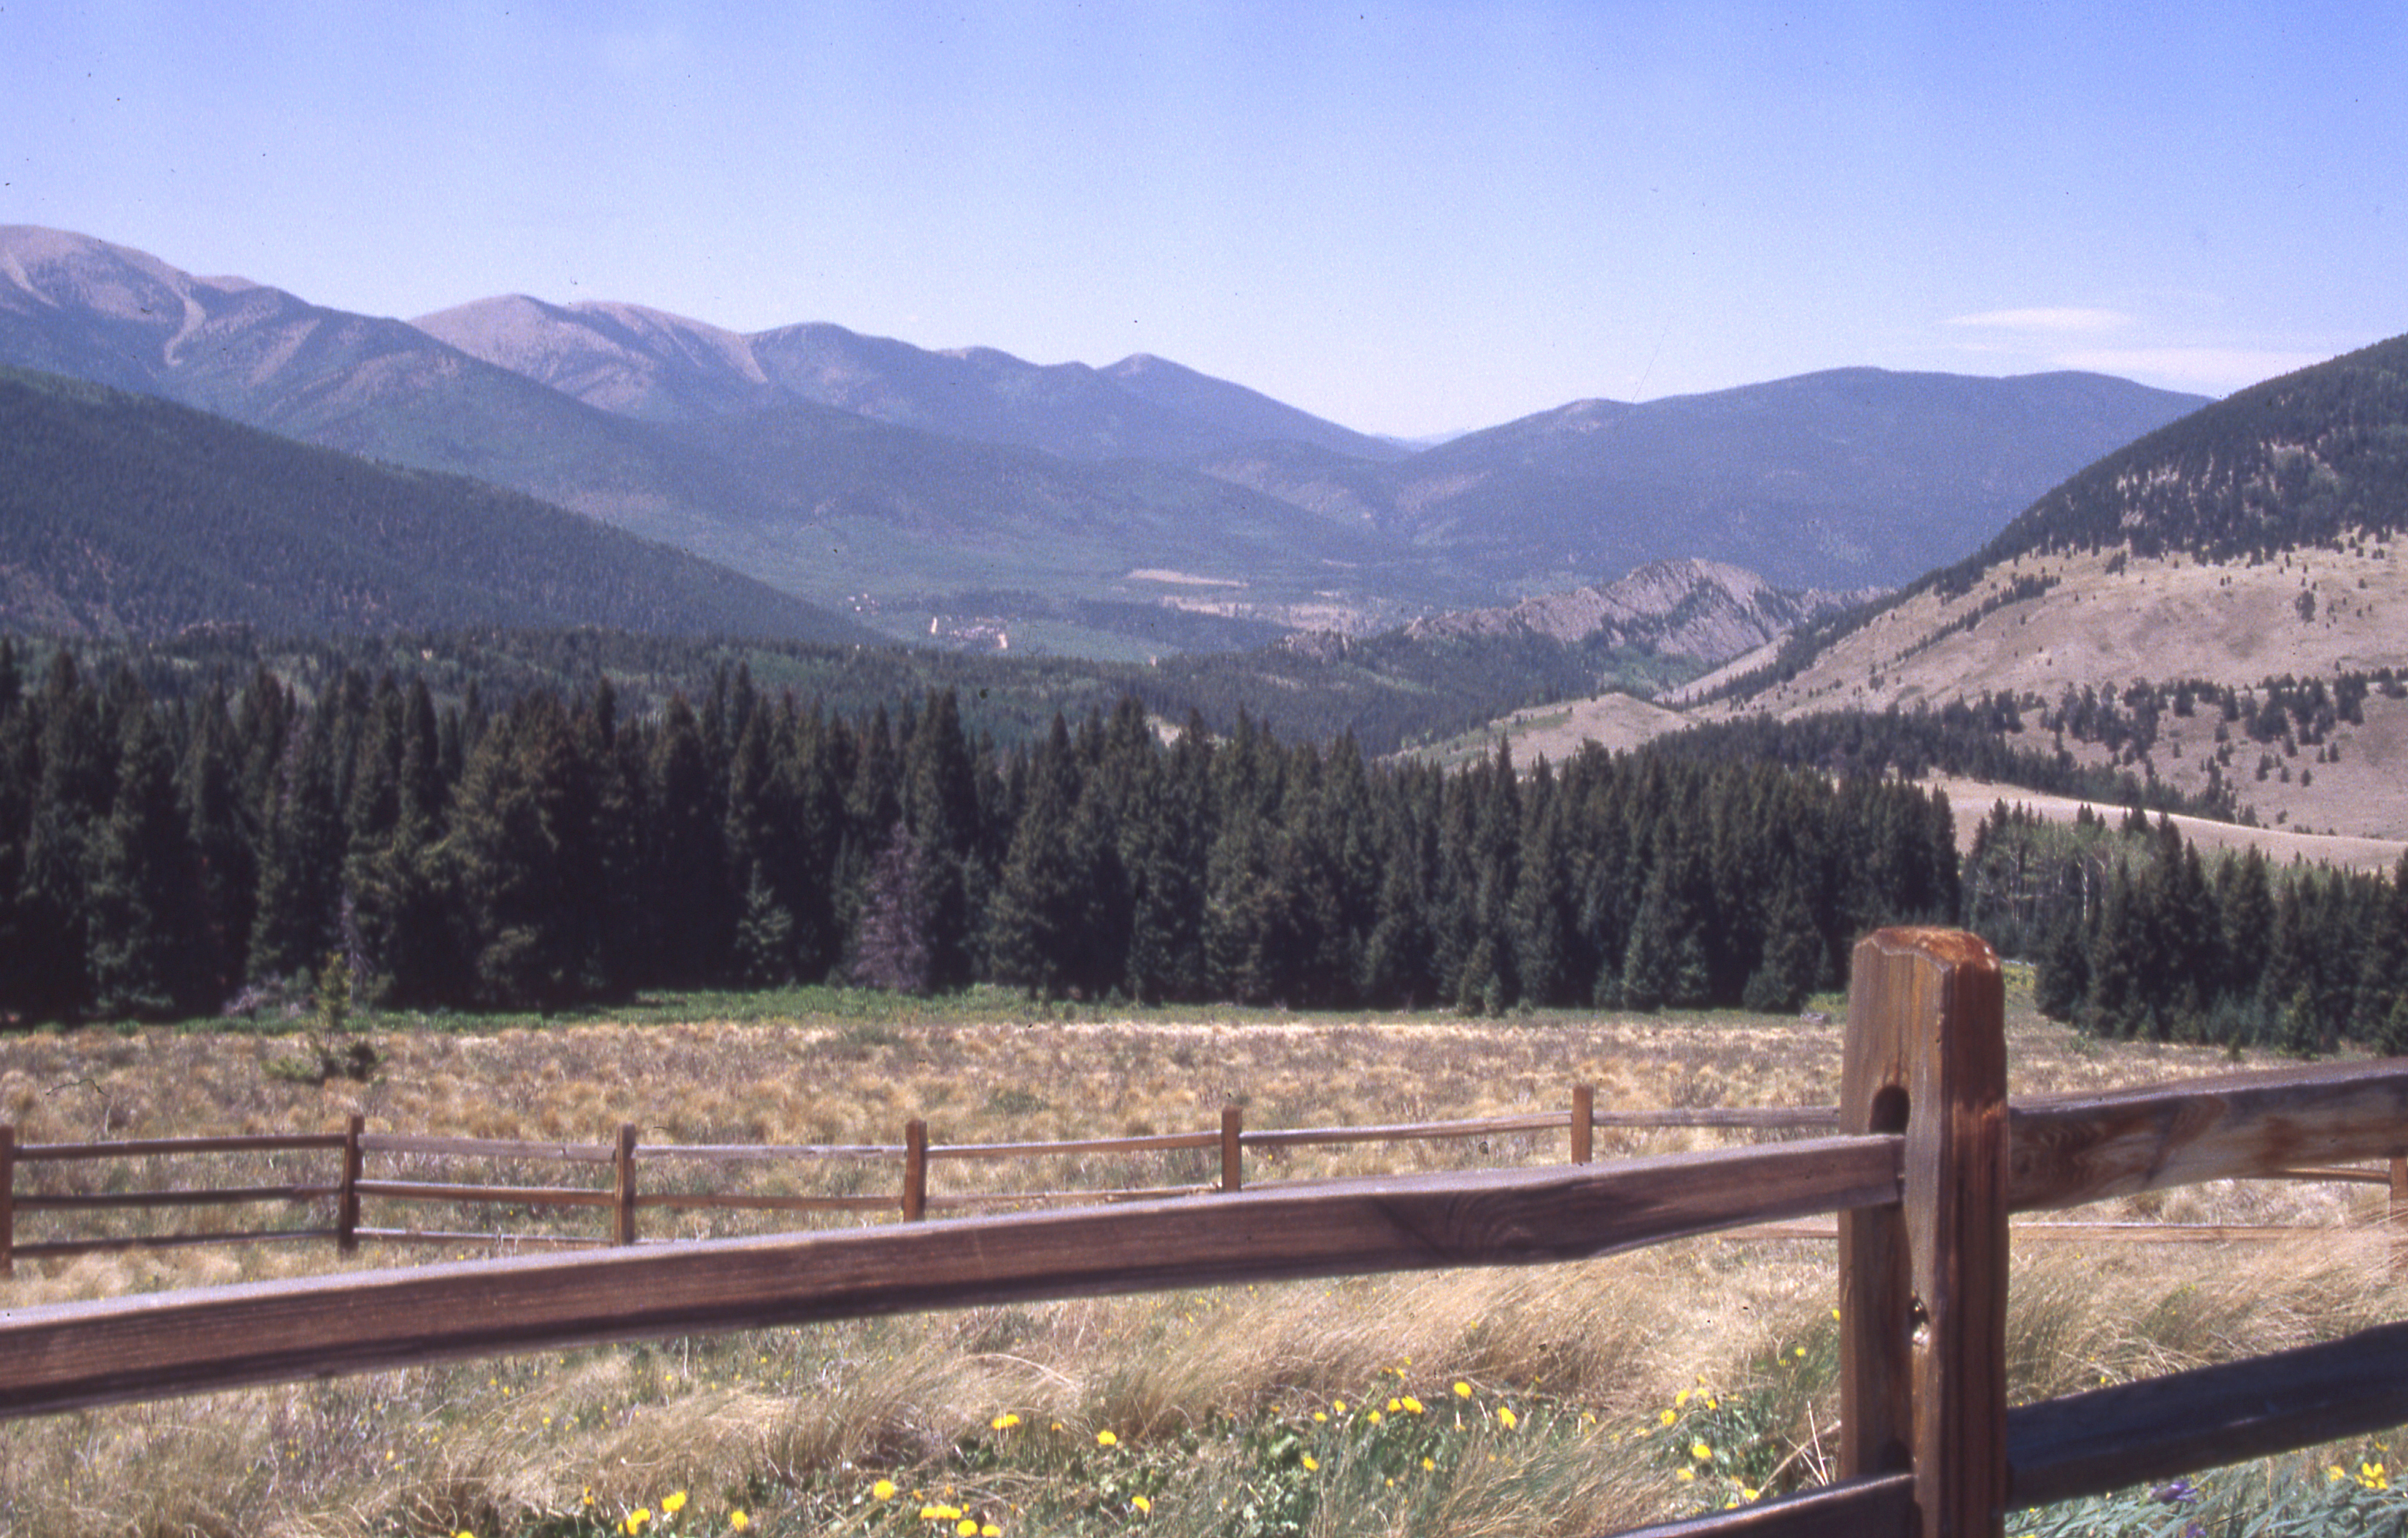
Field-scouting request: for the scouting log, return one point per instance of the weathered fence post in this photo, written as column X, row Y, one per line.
column 623, row 1209
column 1233, row 1148
column 1583, row 1121
column 7, row 1200
column 1923, row 1284
column 915, row 1170
column 347, row 1205
column 2398, row 1213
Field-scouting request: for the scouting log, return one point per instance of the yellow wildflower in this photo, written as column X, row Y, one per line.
column 1462, row 1389
column 990, row 1531
column 883, row 1491
column 1681, row 1399
column 1374, row 1417
column 1429, row 1464
column 1310, row 1463
column 1321, row 1415
column 1395, row 1405
column 1506, row 1417
column 1145, row 1507
column 1685, row 1473
column 1338, row 1407
column 737, row 1520
column 1412, row 1405
column 966, row 1528
column 1666, row 1419
column 673, row 1504
column 1699, row 1451
column 1106, row 1439
column 1005, row 1421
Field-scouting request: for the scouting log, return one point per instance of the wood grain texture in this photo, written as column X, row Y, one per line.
column 507, row 1196
column 7, row 1200
column 770, row 1153
column 222, row 1196
column 1924, row 1285
column 2071, row 1149
column 1427, row 1131
column 347, row 1200
column 1879, row 1507
column 53, row 1153
column 1157, row 1143
column 574, row 1153
column 2110, row 1438
column 67, row 1356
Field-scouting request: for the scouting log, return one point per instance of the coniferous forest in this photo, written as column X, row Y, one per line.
column 214, row 847
column 172, row 857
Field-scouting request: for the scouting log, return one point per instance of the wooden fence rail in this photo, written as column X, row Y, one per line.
column 625, row 1197
column 1929, row 1160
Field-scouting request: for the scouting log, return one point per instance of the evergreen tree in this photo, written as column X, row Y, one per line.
column 1033, row 921
column 144, row 890
column 1792, row 961
column 890, row 950
column 301, row 855
column 220, row 824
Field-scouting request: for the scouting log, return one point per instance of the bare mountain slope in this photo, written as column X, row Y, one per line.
column 1706, row 610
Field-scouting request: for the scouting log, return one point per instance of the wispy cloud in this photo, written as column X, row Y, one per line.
column 2218, row 370
column 2057, row 320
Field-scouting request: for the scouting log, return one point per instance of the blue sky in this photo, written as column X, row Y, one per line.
column 1410, row 218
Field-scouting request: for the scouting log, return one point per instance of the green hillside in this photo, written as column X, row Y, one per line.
column 120, row 514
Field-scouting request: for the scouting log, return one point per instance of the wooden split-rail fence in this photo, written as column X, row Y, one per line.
column 347, row 1184
column 1927, row 1161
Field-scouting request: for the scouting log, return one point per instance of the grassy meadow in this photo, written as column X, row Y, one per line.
column 1565, row 1399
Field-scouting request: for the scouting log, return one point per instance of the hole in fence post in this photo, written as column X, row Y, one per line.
column 7, row 1200
column 915, row 1170
column 623, row 1212
column 347, row 1205
column 1890, row 1109
column 1233, row 1134
column 1583, row 1121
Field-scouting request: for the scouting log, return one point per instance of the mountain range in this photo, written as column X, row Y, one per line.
column 896, row 480
column 121, row 514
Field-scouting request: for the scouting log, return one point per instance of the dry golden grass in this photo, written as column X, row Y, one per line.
column 792, row 1423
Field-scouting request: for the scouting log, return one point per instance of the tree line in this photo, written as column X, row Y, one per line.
column 169, row 857
column 2135, row 935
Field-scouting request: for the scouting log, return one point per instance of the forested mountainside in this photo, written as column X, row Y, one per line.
column 2306, row 459
column 125, row 515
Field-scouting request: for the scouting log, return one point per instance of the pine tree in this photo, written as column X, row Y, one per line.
column 686, row 877
column 1033, row 920
column 144, row 890
column 765, row 935
column 1793, row 962
column 890, row 949
column 220, row 823
column 300, row 862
